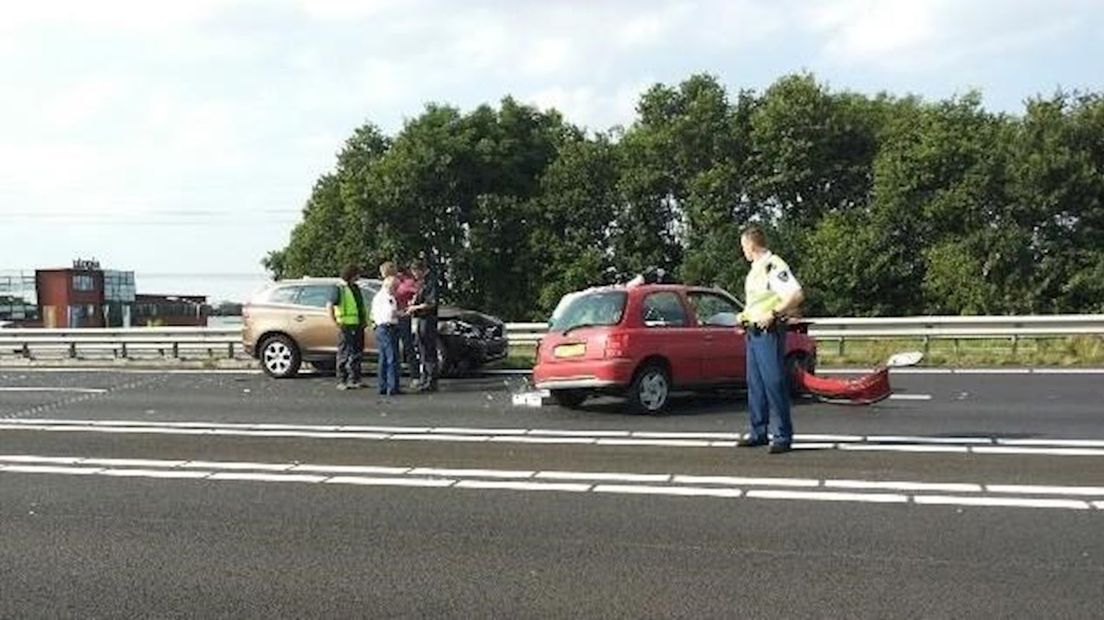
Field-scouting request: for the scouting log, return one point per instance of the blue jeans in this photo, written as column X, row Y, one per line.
column 768, row 387
column 387, row 344
column 408, row 352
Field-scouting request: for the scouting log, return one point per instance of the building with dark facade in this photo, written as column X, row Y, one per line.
column 85, row 295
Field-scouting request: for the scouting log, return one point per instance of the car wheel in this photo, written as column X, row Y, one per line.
column 569, row 398
column 280, row 357
column 444, row 361
column 651, row 389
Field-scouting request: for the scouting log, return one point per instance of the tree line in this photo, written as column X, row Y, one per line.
column 882, row 205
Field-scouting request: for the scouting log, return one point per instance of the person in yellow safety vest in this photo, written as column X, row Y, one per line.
column 770, row 292
column 348, row 314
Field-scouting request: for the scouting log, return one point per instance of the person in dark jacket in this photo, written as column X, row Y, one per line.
column 423, row 308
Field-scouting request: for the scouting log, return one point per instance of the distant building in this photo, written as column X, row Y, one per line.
column 85, row 295
column 171, row 311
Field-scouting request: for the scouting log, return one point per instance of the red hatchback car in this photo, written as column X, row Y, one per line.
column 647, row 340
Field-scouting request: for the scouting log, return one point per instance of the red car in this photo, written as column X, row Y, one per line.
column 644, row 341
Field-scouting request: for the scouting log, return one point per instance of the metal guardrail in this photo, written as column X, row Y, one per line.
column 226, row 341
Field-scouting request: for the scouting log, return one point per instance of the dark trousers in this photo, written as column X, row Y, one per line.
column 408, row 353
column 768, row 386
column 350, row 354
column 427, row 350
column 387, row 344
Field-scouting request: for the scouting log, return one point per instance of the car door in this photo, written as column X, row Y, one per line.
column 668, row 332
column 723, row 349
column 314, row 329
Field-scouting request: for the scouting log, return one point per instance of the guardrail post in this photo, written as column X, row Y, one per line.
column 1015, row 345
column 957, row 356
column 72, row 350
column 26, row 350
column 927, row 346
column 124, row 350
column 841, row 341
column 230, row 350
column 176, row 350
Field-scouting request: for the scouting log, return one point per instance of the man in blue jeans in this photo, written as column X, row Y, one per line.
column 771, row 291
column 386, row 317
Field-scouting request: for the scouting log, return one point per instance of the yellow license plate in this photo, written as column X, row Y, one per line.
column 570, row 350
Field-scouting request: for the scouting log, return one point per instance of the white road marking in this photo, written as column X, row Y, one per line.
column 238, row 466
column 1063, row 443
column 1038, row 451
column 832, row 438
column 879, row 485
column 634, row 489
column 871, row 443
column 741, row 481
column 546, row 440
column 1008, row 502
column 391, row 482
column 669, row 443
column 51, row 469
column 929, row 440
column 1065, row 497
column 26, row 458
column 132, row 462
column 522, row 486
column 910, row 397
column 266, row 477
column 621, row 477
column 74, row 390
column 470, row 473
column 687, row 435
column 827, row 496
column 1044, row 490
column 352, row 469
column 445, row 430
column 429, row 437
column 155, row 473
column 859, row 447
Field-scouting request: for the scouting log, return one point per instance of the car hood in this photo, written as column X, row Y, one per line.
column 450, row 313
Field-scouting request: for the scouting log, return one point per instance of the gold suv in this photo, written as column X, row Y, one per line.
column 286, row 324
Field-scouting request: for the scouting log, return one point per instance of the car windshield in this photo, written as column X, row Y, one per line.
column 596, row 308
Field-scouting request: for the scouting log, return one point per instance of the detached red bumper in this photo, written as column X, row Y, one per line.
column 863, row 390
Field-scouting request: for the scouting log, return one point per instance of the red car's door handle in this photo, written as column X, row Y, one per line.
column 709, row 337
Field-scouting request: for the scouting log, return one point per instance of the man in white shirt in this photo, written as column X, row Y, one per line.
column 385, row 316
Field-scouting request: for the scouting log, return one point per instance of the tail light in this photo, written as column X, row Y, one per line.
column 617, row 345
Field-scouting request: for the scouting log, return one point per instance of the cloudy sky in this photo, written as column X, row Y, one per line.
column 183, row 137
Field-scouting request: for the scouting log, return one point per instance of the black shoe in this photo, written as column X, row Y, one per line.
column 780, row 448
column 750, row 443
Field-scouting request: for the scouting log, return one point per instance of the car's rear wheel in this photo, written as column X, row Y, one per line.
column 280, row 357
column 651, row 389
column 569, row 398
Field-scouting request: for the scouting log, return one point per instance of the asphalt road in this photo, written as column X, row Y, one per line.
column 231, row 495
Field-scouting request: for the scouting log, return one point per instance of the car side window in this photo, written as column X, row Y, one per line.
column 664, row 309
column 317, row 295
column 283, row 295
column 714, row 310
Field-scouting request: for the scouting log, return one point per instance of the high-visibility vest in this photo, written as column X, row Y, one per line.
column 346, row 311
column 759, row 298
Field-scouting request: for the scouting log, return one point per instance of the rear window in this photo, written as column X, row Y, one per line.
column 281, row 295
column 590, row 309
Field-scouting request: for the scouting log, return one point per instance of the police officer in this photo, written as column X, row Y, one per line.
column 349, row 315
column 771, row 291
